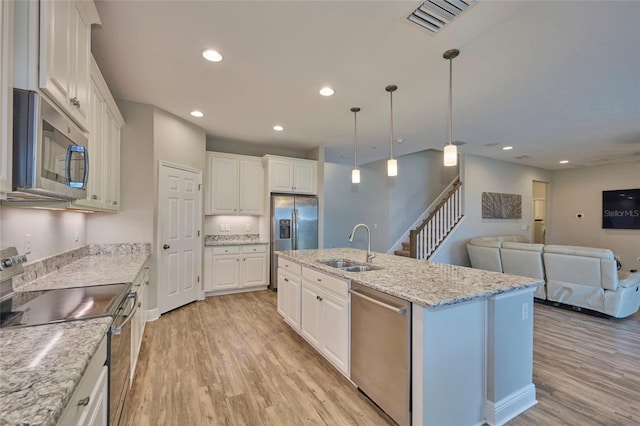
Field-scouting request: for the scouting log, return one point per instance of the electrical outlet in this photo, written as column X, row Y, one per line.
column 638, row 259
column 27, row 244
column 525, row 311
column 221, row 227
column 77, row 236
column 247, row 227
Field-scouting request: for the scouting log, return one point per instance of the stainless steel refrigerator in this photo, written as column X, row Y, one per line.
column 294, row 226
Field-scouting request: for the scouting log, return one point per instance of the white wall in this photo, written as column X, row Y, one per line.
column 579, row 190
column 134, row 222
column 232, row 146
column 237, row 225
column 52, row 232
column 388, row 205
column 480, row 175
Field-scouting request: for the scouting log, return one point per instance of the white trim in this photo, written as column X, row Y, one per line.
column 405, row 237
column 499, row 413
column 443, row 242
column 235, row 290
column 417, row 357
column 152, row 314
column 180, row 167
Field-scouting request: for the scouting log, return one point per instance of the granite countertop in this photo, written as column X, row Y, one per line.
column 232, row 240
column 41, row 366
column 91, row 270
column 424, row 283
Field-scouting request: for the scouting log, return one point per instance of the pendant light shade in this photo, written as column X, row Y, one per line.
column 392, row 164
column 355, row 173
column 450, row 151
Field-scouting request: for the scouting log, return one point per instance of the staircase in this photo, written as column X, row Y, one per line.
column 443, row 218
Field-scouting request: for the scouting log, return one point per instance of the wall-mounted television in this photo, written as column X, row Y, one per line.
column 621, row 209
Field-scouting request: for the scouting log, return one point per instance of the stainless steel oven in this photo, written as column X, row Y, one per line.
column 50, row 159
column 119, row 357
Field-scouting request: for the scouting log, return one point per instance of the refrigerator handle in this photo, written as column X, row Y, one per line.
column 294, row 230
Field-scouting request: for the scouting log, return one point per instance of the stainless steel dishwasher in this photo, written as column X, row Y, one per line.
column 381, row 350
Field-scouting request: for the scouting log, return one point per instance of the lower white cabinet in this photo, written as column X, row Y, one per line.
column 141, row 287
column 231, row 269
column 317, row 306
column 325, row 317
column 289, row 286
column 88, row 404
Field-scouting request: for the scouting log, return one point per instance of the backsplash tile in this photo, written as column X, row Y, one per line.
column 38, row 268
column 123, row 248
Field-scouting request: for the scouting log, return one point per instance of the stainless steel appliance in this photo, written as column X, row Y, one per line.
column 50, row 159
column 294, row 226
column 119, row 358
column 381, row 350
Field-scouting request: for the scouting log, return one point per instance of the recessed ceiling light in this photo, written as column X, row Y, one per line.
column 278, row 128
column 212, row 55
column 197, row 114
column 327, row 91
column 507, row 148
column 564, row 161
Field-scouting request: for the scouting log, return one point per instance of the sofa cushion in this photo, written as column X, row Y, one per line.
column 487, row 258
column 628, row 279
column 579, row 251
column 524, row 260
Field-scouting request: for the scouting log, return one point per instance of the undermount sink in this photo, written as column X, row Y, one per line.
column 348, row 265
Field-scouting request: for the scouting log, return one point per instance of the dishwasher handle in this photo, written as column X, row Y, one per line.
column 400, row 311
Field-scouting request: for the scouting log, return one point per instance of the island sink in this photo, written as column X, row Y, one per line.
column 347, row 265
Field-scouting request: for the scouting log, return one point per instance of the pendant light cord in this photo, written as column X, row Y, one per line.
column 450, row 101
column 355, row 139
column 391, row 130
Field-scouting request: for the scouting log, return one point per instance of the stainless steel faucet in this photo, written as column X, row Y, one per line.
column 370, row 255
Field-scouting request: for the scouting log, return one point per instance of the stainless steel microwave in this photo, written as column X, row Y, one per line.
column 50, row 159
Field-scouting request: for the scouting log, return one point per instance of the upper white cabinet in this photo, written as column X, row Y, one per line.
column 105, row 122
column 6, row 95
column 65, row 54
column 235, row 185
column 292, row 175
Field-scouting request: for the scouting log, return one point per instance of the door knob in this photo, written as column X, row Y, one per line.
column 166, row 246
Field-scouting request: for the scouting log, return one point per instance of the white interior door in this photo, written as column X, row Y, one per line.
column 179, row 240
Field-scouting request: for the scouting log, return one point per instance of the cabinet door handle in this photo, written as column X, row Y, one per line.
column 166, row 246
column 94, row 197
column 286, row 279
column 84, row 401
column 319, row 280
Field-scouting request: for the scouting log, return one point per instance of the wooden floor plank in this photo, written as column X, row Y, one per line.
column 231, row 360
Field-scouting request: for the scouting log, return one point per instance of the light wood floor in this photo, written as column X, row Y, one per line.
column 231, row 360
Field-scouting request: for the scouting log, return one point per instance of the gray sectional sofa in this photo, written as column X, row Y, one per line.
column 585, row 277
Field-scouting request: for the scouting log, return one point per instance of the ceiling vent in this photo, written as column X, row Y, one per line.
column 522, row 157
column 436, row 14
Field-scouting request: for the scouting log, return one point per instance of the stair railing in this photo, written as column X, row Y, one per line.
column 427, row 237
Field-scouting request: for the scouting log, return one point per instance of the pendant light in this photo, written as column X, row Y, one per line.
column 450, row 151
column 392, row 164
column 355, row 173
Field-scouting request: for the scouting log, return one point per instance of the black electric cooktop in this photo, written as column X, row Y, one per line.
column 21, row 309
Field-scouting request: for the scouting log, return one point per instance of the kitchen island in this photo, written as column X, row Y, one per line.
column 471, row 334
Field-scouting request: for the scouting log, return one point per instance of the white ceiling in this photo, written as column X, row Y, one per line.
column 556, row 80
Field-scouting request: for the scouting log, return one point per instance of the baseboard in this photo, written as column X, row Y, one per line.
column 235, row 291
column 499, row 413
column 153, row 314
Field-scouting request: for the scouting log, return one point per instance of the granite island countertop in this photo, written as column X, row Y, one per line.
column 41, row 366
column 425, row 283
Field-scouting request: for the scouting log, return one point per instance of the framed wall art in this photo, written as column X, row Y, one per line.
column 496, row 205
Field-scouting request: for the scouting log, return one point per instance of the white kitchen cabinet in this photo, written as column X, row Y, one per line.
column 325, row 316
column 289, row 289
column 89, row 403
column 230, row 269
column 235, row 185
column 65, row 54
column 138, row 322
column 6, row 95
column 292, row 175
column 254, row 266
column 105, row 122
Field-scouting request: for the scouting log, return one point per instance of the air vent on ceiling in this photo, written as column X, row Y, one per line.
column 522, row 157
column 436, row 14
